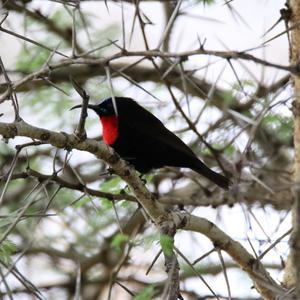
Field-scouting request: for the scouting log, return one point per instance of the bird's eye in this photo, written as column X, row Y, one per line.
column 103, row 111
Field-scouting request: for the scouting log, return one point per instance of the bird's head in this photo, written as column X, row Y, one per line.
column 104, row 109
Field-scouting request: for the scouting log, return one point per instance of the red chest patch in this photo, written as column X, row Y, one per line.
column 110, row 129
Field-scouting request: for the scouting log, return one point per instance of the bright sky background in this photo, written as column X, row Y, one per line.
column 223, row 32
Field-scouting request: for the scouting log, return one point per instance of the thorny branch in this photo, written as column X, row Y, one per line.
column 159, row 216
column 80, row 130
column 169, row 67
column 102, row 62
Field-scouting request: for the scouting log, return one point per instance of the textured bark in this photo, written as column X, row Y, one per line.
column 171, row 289
column 262, row 280
column 292, row 270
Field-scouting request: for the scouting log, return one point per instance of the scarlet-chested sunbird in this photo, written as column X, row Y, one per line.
column 142, row 139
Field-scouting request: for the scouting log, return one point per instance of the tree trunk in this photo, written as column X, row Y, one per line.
column 292, row 270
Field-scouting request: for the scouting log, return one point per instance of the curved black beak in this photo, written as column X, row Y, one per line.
column 91, row 106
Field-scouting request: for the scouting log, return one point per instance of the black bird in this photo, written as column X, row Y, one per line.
column 143, row 140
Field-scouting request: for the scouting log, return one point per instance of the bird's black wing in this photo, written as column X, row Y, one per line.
column 158, row 142
column 148, row 126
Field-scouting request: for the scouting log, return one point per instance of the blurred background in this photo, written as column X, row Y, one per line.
column 60, row 235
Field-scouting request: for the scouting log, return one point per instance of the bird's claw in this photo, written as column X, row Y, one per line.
column 79, row 137
column 144, row 181
column 110, row 171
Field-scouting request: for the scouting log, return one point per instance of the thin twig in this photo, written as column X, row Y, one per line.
column 169, row 24
column 26, row 39
column 225, row 272
column 196, row 272
column 80, row 130
column 112, row 93
column 260, row 257
column 153, row 262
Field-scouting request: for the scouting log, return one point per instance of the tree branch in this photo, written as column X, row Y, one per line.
column 264, row 283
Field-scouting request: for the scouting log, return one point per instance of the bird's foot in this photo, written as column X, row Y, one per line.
column 154, row 196
column 108, row 172
column 144, row 181
column 181, row 207
column 80, row 136
column 67, row 146
column 125, row 189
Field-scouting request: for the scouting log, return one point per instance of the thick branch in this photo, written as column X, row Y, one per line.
column 292, row 271
column 73, row 186
column 63, row 140
column 265, row 284
column 268, row 288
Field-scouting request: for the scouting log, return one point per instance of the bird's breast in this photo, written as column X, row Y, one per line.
column 110, row 126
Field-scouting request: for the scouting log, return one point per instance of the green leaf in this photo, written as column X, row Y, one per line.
column 5, row 221
column 7, row 249
column 82, row 202
column 166, row 243
column 149, row 239
column 32, row 58
column 62, row 19
column 112, row 185
column 118, row 240
column 229, row 150
column 66, row 197
column 146, row 293
column 125, row 204
column 228, row 97
column 282, row 125
column 106, row 204
column 208, row 2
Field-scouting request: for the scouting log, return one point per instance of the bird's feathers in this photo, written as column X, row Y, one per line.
column 145, row 142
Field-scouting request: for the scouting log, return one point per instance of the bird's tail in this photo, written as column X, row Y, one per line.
column 218, row 179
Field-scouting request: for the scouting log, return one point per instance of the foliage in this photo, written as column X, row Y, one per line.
column 230, row 111
column 119, row 240
column 282, row 125
column 166, row 243
column 7, row 249
column 146, row 294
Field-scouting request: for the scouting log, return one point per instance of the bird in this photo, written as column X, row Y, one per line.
column 141, row 139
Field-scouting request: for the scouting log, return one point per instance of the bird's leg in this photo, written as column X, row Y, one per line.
column 123, row 190
column 181, row 207
column 144, row 181
column 154, row 196
column 108, row 172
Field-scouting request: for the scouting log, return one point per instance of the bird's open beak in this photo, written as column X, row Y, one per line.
column 91, row 106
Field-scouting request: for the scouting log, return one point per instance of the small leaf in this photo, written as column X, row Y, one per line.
column 146, row 293
column 106, row 204
column 149, row 239
column 166, row 243
column 82, row 202
column 111, row 185
column 125, row 204
column 7, row 249
column 31, row 58
column 118, row 240
column 229, row 150
column 282, row 125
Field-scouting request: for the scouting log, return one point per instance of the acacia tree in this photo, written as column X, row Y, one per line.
column 70, row 228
